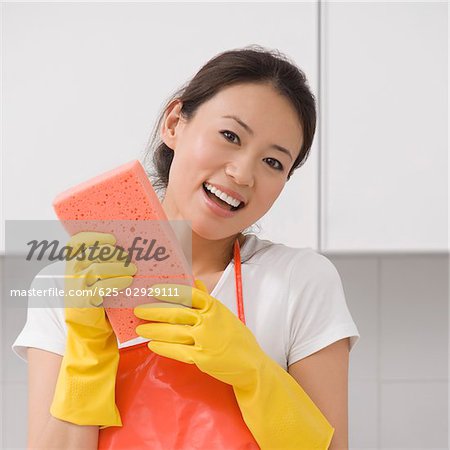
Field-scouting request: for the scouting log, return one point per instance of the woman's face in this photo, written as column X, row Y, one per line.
column 233, row 141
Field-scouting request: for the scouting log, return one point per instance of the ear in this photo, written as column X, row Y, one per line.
column 170, row 126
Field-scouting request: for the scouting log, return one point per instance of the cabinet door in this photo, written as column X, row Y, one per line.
column 84, row 84
column 384, row 126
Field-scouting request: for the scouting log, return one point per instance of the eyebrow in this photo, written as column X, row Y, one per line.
column 251, row 132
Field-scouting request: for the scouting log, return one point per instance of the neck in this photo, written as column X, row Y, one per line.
column 212, row 256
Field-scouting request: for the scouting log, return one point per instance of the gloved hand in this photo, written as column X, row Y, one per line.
column 85, row 389
column 274, row 406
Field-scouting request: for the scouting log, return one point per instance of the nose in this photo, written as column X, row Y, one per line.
column 241, row 170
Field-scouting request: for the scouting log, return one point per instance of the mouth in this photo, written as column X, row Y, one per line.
column 220, row 202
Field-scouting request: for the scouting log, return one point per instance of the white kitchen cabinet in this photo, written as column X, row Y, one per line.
column 84, row 83
column 384, row 156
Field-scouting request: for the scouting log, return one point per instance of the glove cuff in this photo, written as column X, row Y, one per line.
column 79, row 401
column 280, row 414
column 85, row 389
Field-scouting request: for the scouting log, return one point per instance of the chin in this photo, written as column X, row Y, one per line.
column 205, row 231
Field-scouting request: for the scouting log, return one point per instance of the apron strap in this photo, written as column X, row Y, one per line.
column 238, row 278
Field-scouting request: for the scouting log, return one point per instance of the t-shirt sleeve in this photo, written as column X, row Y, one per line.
column 45, row 327
column 318, row 314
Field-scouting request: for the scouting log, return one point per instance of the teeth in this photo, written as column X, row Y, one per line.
column 226, row 198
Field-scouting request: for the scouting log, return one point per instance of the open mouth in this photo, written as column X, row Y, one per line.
column 220, row 202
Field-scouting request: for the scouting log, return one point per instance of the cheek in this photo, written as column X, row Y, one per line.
column 202, row 154
column 266, row 197
column 190, row 158
column 273, row 190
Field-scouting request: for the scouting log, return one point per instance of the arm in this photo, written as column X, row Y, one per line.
column 85, row 388
column 45, row 431
column 324, row 376
column 71, row 396
column 276, row 409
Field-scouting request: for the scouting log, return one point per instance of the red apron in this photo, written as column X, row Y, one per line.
column 169, row 405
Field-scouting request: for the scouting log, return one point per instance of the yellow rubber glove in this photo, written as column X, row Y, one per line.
column 275, row 408
column 85, row 389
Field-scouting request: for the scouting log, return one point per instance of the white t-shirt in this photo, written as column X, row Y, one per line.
column 293, row 300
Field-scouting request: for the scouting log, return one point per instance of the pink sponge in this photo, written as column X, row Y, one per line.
column 123, row 202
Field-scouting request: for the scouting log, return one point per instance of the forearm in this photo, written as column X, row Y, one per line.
column 280, row 414
column 85, row 388
column 58, row 434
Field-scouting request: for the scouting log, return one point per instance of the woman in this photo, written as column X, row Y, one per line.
column 241, row 127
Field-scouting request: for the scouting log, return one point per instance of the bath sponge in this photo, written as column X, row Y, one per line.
column 123, row 202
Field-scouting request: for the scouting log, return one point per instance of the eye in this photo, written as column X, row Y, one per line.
column 229, row 135
column 277, row 166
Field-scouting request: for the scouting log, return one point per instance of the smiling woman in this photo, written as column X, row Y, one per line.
column 268, row 321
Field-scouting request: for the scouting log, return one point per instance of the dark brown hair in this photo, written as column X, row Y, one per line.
column 252, row 64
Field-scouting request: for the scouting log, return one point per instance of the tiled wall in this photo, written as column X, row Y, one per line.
column 398, row 388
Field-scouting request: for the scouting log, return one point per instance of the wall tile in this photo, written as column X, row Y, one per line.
column 363, row 414
column 14, row 415
column 14, row 369
column 414, row 415
column 414, row 317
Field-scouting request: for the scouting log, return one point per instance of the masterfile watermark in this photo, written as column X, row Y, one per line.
column 38, row 253
column 97, row 252
column 94, row 291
